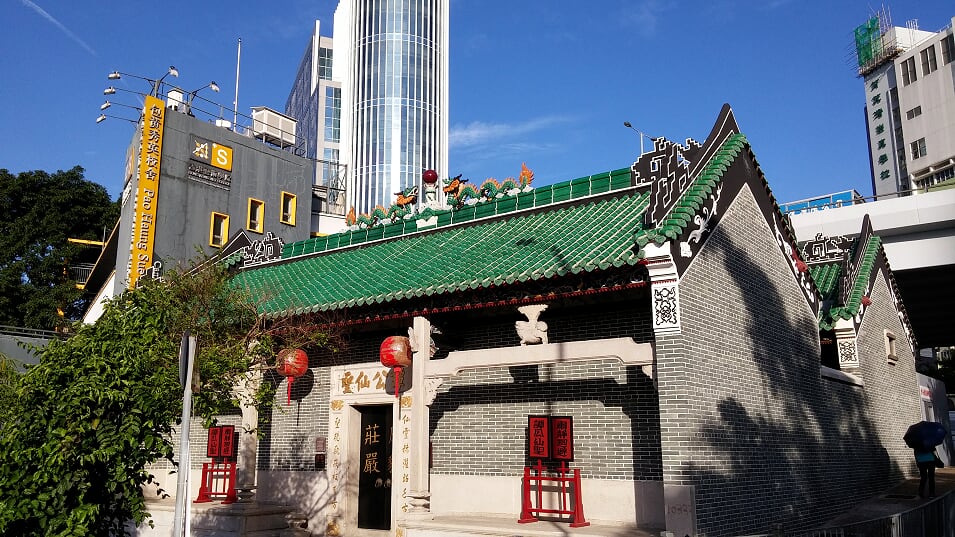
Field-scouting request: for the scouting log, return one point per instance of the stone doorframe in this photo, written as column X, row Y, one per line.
column 352, row 386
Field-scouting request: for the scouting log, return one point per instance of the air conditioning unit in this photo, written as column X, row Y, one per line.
column 224, row 123
column 273, row 127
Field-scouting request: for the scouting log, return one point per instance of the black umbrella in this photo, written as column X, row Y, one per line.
column 925, row 435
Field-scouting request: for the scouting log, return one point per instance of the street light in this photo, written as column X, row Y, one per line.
column 211, row 85
column 640, row 132
column 156, row 83
column 102, row 118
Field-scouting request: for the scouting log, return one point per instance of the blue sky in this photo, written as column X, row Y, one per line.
column 546, row 82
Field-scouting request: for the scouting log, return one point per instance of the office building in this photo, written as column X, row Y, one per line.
column 315, row 103
column 391, row 64
column 910, row 104
column 196, row 186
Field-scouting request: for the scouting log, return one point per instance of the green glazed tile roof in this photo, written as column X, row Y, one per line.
column 826, row 276
column 566, row 238
column 831, row 272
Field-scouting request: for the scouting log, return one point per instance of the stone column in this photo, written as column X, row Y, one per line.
column 420, row 480
column 248, row 435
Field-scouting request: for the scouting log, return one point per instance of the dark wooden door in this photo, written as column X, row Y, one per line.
column 374, row 477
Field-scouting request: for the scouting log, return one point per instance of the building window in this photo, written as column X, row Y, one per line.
column 929, row 65
column 918, row 148
column 218, row 230
column 890, row 348
column 915, row 112
column 908, row 72
column 948, row 49
column 256, row 215
column 288, row 209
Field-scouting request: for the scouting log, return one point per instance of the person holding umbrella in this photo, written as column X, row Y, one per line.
column 922, row 438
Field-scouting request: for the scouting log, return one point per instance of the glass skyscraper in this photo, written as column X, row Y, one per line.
column 391, row 57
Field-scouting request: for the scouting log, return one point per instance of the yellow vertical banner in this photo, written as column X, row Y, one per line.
column 144, row 221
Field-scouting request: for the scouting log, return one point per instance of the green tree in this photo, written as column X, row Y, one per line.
column 39, row 211
column 100, row 406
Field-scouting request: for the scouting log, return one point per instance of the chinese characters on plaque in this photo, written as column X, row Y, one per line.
column 550, row 437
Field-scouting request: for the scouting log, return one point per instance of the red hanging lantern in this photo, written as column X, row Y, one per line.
column 291, row 363
column 395, row 354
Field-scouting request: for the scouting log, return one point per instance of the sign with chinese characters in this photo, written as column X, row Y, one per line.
column 538, row 437
column 562, row 438
column 143, row 230
column 220, row 441
column 550, row 437
column 365, row 380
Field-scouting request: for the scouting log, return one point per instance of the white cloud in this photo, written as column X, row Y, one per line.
column 643, row 17
column 479, row 133
column 59, row 25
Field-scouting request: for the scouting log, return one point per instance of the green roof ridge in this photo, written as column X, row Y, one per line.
column 692, row 199
column 598, row 183
column 852, row 306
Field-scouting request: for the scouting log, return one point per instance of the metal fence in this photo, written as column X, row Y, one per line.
column 932, row 519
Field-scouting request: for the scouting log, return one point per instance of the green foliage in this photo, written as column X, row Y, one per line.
column 38, row 213
column 99, row 408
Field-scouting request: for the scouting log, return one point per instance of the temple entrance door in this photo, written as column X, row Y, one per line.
column 374, row 476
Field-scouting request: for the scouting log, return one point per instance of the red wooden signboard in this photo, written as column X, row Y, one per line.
column 226, row 443
column 212, row 444
column 538, row 437
column 562, row 435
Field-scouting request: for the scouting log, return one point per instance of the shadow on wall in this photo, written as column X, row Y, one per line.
column 792, row 447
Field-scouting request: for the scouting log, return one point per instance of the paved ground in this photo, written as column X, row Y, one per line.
column 899, row 499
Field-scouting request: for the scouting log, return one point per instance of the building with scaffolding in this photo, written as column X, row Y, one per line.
column 910, row 104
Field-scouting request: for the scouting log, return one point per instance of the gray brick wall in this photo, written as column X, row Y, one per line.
column 746, row 417
column 479, row 418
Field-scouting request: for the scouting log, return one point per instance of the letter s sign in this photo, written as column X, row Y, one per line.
column 222, row 157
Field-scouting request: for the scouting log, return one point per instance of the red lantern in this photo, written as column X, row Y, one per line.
column 429, row 177
column 395, row 354
column 291, row 363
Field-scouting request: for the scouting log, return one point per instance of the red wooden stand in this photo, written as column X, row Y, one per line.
column 567, row 486
column 218, row 483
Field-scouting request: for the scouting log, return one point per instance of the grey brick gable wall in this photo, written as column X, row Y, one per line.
column 745, row 416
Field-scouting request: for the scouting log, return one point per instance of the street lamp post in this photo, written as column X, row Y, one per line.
column 192, row 95
column 156, row 83
column 640, row 132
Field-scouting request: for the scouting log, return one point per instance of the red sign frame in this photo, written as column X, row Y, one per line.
column 562, row 438
column 538, row 437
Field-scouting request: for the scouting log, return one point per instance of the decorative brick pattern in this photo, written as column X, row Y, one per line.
column 746, row 417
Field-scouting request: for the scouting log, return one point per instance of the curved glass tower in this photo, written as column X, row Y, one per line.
column 392, row 59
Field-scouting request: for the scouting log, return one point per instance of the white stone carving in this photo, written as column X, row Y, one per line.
column 532, row 331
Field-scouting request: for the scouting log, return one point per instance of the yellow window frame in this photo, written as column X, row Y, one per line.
column 223, row 220
column 256, row 209
column 290, row 200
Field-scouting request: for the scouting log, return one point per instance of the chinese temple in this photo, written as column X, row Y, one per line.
column 647, row 348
